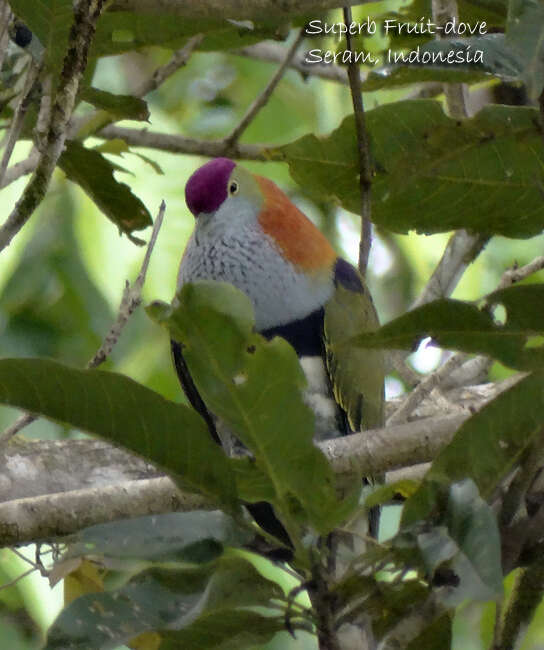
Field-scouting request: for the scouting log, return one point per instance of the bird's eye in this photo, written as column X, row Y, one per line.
column 233, row 187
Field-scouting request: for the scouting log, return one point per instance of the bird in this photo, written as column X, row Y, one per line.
column 250, row 234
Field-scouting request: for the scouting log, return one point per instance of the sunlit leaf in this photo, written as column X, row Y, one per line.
column 256, row 388
column 94, row 174
column 458, row 325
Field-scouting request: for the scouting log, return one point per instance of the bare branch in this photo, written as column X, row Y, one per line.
column 275, row 53
column 53, row 515
column 132, row 297
column 513, row 275
column 461, row 250
column 263, row 98
column 111, row 483
column 233, row 9
column 178, row 60
column 365, row 172
column 444, row 11
column 27, row 95
column 20, row 169
column 423, row 389
column 5, row 17
column 181, row 144
column 85, row 17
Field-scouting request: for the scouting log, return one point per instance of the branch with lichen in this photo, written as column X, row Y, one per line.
column 86, row 14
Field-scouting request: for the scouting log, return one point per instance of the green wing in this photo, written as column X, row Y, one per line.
column 356, row 374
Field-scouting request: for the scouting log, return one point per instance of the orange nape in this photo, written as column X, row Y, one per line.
column 301, row 242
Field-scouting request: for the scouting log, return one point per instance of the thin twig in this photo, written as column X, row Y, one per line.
column 178, row 60
column 132, row 297
column 27, row 166
column 514, row 275
column 423, row 389
column 263, row 98
column 6, row 585
column 86, row 14
column 5, row 18
column 181, row 144
column 27, row 94
column 444, row 11
column 365, row 174
column 79, row 126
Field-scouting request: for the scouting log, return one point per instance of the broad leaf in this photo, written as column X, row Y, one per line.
column 486, row 447
column 124, row 31
column 197, row 537
column 94, row 174
column 121, row 107
column 475, row 170
column 190, row 600
column 392, row 76
column 256, row 388
column 225, row 630
column 436, row 635
column 117, row 408
column 467, row 541
column 458, row 325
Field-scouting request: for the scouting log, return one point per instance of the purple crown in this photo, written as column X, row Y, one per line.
column 207, row 187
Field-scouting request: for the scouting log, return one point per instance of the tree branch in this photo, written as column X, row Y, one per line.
column 56, row 515
column 275, row 53
column 232, row 9
column 181, row 144
column 365, row 173
column 86, row 14
column 263, row 98
column 41, row 496
column 20, row 169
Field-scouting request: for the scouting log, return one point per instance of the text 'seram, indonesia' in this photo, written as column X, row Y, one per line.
column 391, row 26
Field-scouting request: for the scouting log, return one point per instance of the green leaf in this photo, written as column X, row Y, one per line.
column 125, row 412
column 458, row 325
column 50, row 22
column 393, row 76
column 200, row 603
column 254, row 386
column 225, row 630
column 118, row 147
column 94, row 174
column 436, row 635
column 198, row 537
column 466, row 540
column 485, row 448
column 121, row 107
column 475, row 169
column 124, row 31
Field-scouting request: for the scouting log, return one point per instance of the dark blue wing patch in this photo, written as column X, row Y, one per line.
column 346, row 275
column 305, row 335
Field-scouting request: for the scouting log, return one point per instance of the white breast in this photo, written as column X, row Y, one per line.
column 250, row 261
